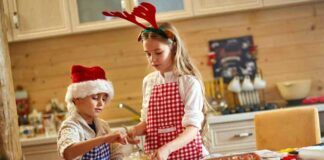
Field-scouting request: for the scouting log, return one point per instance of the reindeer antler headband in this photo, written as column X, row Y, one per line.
column 147, row 12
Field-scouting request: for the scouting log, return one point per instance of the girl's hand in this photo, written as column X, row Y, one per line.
column 131, row 136
column 116, row 137
column 162, row 153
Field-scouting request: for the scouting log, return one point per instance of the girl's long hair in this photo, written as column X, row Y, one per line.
column 183, row 65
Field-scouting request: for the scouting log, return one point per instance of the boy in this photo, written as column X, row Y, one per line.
column 83, row 135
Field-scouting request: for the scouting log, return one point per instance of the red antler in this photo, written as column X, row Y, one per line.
column 145, row 11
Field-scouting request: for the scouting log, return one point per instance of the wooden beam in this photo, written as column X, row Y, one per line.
column 10, row 146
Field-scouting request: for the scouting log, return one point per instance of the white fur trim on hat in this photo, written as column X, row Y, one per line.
column 86, row 88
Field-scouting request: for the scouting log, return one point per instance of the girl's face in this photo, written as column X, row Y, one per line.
column 158, row 54
column 90, row 106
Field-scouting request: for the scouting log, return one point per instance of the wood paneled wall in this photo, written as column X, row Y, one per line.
column 290, row 42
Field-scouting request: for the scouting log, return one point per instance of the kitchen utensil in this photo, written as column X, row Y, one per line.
column 137, row 146
column 208, row 93
column 257, row 97
column 258, row 84
column 235, row 85
column 219, row 90
column 207, row 89
column 247, row 86
column 213, row 91
column 221, row 86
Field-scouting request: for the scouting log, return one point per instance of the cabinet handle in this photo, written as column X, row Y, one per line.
column 241, row 135
column 15, row 20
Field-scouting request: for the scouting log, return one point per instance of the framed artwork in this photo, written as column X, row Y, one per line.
column 233, row 57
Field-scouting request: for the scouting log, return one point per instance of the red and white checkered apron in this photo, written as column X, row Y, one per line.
column 164, row 123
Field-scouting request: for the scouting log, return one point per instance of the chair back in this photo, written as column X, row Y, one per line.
column 287, row 128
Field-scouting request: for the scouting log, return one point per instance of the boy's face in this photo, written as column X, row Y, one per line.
column 90, row 106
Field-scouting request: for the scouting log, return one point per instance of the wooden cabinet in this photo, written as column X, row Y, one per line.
column 204, row 7
column 6, row 16
column 40, row 151
column 38, row 18
column 268, row 3
column 231, row 137
column 170, row 9
column 86, row 15
column 44, row 18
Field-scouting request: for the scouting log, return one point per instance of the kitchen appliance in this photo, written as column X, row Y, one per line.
column 294, row 91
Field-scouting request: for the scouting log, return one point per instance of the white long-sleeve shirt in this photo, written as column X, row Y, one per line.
column 190, row 92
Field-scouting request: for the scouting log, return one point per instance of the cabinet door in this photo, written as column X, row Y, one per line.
column 38, row 18
column 281, row 2
column 6, row 16
column 203, row 7
column 87, row 15
column 170, row 9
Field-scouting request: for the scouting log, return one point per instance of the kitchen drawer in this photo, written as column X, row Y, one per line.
column 232, row 137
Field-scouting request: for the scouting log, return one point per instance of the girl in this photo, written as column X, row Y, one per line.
column 173, row 98
column 83, row 135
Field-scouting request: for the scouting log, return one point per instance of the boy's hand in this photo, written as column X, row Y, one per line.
column 131, row 136
column 116, row 137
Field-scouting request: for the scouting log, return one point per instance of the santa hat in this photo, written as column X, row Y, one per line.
column 87, row 81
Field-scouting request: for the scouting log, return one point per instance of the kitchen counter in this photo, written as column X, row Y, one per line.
column 42, row 139
column 212, row 118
